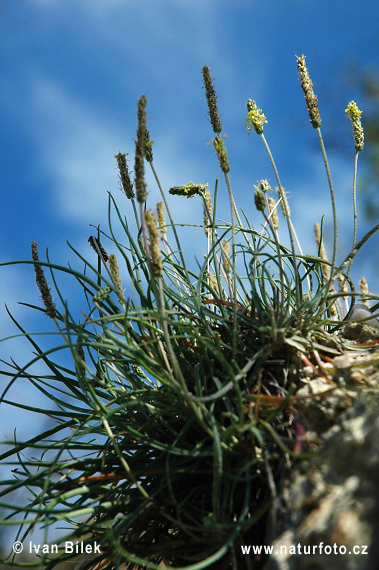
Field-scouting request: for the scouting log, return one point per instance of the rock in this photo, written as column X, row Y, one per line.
column 331, row 503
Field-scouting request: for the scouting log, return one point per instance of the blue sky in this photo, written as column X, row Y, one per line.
column 72, row 72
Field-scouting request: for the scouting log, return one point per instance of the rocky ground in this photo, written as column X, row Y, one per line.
column 333, row 497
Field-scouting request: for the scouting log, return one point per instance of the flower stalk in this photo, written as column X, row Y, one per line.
column 354, row 114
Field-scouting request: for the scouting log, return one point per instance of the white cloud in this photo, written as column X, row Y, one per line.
column 75, row 147
column 76, row 139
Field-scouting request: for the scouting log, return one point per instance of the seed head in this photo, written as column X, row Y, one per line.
column 220, row 149
column 161, row 218
column 155, row 250
column 43, row 287
column 284, row 202
column 208, row 210
column 102, row 294
column 259, row 200
column 126, row 183
column 139, row 166
column 342, row 283
column 148, row 146
column 96, row 246
column 80, row 361
column 225, row 254
column 79, row 349
column 310, row 96
column 363, row 285
column 138, row 370
column 115, row 272
column 212, row 281
column 273, row 211
column 211, row 100
column 321, row 246
column 354, row 113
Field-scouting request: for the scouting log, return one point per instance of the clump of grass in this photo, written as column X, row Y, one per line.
column 177, row 420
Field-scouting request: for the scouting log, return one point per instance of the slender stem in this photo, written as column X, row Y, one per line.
column 240, row 224
column 355, row 198
column 354, row 211
column 277, row 244
column 135, row 213
column 234, row 277
column 287, row 216
column 332, row 196
column 300, row 251
column 334, row 213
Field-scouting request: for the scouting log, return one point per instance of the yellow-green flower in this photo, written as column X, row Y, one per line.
column 353, row 112
column 263, row 185
column 255, row 118
column 188, row 190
